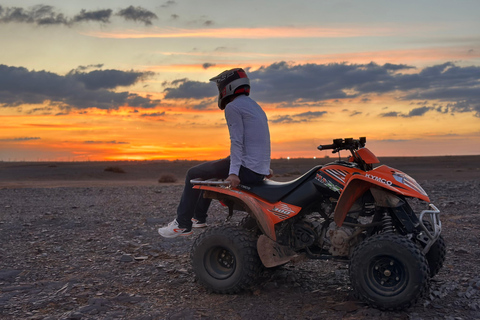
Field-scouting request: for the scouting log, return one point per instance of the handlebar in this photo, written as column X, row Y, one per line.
column 344, row 144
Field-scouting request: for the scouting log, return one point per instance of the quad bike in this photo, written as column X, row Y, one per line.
column 345, row 210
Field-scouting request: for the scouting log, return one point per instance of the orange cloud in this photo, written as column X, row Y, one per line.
column 256, row 60
column 245, row 33
column 49, row 126
column 394, row 56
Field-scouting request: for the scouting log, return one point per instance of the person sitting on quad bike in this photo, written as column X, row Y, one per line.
column 249, row 160
column 349, row 210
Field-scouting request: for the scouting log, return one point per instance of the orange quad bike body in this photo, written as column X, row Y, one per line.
column 340, row 210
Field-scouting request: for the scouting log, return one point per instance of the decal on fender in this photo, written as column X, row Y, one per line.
column 282, row 211
column 384, row 181
column 330, row 185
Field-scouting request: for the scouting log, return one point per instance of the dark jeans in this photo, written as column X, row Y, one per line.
column 193, row 204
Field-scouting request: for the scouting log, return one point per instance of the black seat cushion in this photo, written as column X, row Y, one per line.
column 274, row 191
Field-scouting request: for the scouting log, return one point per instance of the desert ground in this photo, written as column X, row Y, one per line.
column 79, row 241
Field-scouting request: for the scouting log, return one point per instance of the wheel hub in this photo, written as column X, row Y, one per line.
column 225, row 259
column 220, row 262
column 387, row 274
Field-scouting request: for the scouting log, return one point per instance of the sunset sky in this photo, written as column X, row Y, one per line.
column 128, row 80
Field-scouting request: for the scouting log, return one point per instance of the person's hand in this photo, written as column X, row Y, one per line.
column 270, row 174
column 234, row 180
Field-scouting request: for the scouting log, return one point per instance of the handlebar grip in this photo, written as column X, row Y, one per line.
column 344, row 144
column 326, row 147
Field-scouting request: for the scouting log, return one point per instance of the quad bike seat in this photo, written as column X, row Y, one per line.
column 274, row 191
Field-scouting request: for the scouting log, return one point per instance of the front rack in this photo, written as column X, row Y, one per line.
column 436, row 224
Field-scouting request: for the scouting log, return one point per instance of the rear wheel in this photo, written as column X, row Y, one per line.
column 389, row 272
column 225, row 259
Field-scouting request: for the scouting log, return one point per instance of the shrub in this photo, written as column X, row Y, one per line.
column 115, row 169
column 167, row 178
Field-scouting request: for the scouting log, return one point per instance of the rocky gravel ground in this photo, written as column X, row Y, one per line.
column 94, row 253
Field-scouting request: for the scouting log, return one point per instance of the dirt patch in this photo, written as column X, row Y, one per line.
column 92, row 252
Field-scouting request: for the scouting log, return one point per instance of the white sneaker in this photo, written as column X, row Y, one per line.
column 198, row 224
column 172, row 230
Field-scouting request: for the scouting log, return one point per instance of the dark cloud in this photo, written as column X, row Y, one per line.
column 168, row 4
column 208, row 65
column 458, row 88
column 418, row 111
column 91, row 66
column 282, row 81
column 108, row 79
column 395, row 67
column 20, row 139
column 98, row 16
column 412, row 113
column 464, row 106
column 47, row 15
column 137, row 14
column 75, row 90
column 321, row 82
column 154, row 114
column 283, row 119
column 40, row 15
column 45, row 111
column 185, row 89
column 311, row 114
column 299, row 117
column 390, row 114
column 205, row 104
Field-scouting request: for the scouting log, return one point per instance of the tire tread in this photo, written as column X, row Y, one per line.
column 247, row 245
column 422, row 262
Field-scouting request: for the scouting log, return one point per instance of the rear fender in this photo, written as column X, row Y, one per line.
column 355, row 188
column 266, row 214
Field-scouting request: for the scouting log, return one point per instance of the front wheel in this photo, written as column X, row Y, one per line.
column 389, row 272
column 436, row 256
column 437, row 253
column 225, row 259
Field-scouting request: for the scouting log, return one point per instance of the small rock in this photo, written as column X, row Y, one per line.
column 126, row 258
column 127, row 298
column 9, row 275
column 141, row 258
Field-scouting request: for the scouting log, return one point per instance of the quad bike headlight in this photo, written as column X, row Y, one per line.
column 409, row 182
column 400, row 177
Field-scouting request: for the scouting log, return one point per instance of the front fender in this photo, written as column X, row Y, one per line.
column 355, row 188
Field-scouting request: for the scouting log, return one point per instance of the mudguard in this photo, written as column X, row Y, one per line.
column 265, row 213
column 359, row 184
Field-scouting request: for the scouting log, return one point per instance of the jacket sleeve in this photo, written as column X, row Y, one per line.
column 236, row 130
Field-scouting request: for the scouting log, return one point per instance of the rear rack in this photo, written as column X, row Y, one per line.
column 210, row 182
